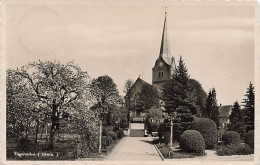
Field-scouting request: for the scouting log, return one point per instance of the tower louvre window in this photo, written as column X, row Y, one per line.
column 162, row 74
column 159, row 74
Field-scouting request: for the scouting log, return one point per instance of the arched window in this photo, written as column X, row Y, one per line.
column 159, row 74
column 162, row 74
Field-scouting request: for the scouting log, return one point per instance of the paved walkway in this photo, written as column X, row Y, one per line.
column 135, row 149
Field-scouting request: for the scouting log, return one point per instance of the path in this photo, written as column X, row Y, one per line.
column 135, row 149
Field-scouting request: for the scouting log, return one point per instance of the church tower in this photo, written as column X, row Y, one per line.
column 165, row 63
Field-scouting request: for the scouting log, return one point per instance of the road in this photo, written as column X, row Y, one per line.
column 135, row 149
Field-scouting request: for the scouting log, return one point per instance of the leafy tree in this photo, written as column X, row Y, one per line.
column 24, row 113
column 212, row 107
column 236, row 120
column 176, row 98
column 249, row 108
column 20, row 108
column 155, row 113
column 128, row 85
column 86, row 125
column 56, row 86
column 197, row 95
column 106, row 97
column 149, row 97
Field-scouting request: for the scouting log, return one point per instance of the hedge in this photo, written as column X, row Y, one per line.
column 249, row 139
column 234, row 149
column 192, row 141
column 231, row 137
column 207, row 129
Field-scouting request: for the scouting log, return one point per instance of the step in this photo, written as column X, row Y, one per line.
column 136, row 133
column 137, row 125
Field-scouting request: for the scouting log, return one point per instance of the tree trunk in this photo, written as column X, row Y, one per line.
column 52, row 133
column 100, row 136
column 54, row 127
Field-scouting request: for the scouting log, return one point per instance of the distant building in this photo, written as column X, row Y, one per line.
column 224, row 113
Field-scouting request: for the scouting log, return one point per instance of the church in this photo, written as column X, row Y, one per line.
column 161, row 72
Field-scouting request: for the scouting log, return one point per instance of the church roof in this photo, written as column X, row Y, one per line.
column 165, row 52
column 142, row 81
column 135, row 83
column 169, row 60
column 224, row 111
column 165, row 47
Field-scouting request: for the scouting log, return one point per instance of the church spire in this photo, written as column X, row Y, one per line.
column 165, row 47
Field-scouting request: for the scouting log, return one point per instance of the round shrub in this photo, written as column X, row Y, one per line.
column 231, row 137
column 192, row 141
column 113, row 135
column 207, row 129
column 249, row 139
column 106, row 141
column 116, row 128
column 120, row 133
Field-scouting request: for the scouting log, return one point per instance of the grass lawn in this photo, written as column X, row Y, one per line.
column 177, row 153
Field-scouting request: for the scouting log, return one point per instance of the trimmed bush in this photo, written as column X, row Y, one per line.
column 231, row 137
column 249, row 139
column 115, row 129
column 192, row 141
column 120, row 133
column 207, row 129
column 106, row 141
column 113, row 135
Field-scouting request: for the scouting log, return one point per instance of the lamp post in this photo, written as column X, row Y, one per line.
column 172, row 117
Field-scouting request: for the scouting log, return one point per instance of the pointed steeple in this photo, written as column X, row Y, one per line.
column 165, row 47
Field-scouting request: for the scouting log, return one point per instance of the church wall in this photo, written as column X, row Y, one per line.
column 161, row 72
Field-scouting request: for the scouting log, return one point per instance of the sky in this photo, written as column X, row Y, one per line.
column 122, row 39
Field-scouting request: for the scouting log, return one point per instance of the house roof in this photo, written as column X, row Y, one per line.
column 225, row 111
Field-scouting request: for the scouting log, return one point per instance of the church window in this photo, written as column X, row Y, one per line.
column 162, row 74
column 159, row 74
